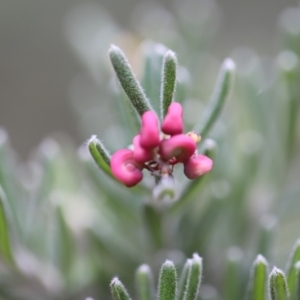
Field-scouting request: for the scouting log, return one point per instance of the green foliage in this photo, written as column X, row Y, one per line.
column 168, row 81
column 278, row 285
column 5, row 246
column 221, row 92
column 144, row 282
column 118, row 290
column 189, row 284
column 258, row 280
column 128, row 81
column 167, row 284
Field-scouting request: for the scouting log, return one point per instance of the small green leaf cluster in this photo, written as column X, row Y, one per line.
column 262, row 284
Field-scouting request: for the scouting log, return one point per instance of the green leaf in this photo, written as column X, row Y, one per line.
column 5, row 246
column 152, row 74
column 64, row 242
column 221, row 92
column 100, row 155
column 232, row 281
column 9, row 184
column 168, row 82
column 297, row 293
column 167, row 281
column 291, row 271
column 194, row 279
column 128, row 81
column 278, row 285
column 153, row 223
column 118, row 290
column 184, row 280
column 144, row 283
column 129, row 119
column 288, row 63
column 266, row 235
column 259, row 279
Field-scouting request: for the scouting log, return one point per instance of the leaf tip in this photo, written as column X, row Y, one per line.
column 197, row 259
column 260, row 259
column 168, row 263
column 92, row 140
column 115, row 281
column 229, row 65
column 276, row 272
column 170, row 55
column 144, row 269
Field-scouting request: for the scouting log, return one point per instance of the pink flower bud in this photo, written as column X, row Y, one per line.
column 172, row 123
column 125, row 168
column 197, row 165
column 180, row 146
column 150, row 130
column 140, row 154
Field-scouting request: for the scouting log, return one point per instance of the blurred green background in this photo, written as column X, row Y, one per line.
column 37, row 64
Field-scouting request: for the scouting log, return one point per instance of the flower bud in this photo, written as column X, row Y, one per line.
column 180, row 146
column 197, row 165
column 125, row 168
column 172, row 123
column 140, row 154
column 150, row 133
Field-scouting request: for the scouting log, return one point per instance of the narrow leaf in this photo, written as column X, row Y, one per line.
column 184, row 279
column 232, row 278
column 128, row 81
column 168, row 81
column 118, row 290
column 266, row 235
column 152, row 75
column 291, row 271
column 220, row 94
column 288, row 63
column 129, row 118
column 63, row 242
column 297, row 294
column 167, row 281
column 144, row 283
column 194, row 278
column 278, row 285
column 153, row 223
column 259, row 279
column 100, row 155
column 5, row 246
column 9, row 184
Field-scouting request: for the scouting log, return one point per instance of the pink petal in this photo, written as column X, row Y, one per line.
column 180, row 146
column 150, row 133
column 140, row 154
column 125, row 168
column 197, row 165
column 173, row 123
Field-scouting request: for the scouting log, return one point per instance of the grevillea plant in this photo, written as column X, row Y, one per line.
column 67, row 228
column 158, row 148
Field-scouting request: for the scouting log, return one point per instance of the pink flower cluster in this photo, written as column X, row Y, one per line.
column 159, row 149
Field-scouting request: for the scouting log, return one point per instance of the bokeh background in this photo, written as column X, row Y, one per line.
column 55, row 76
column 37, row 64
